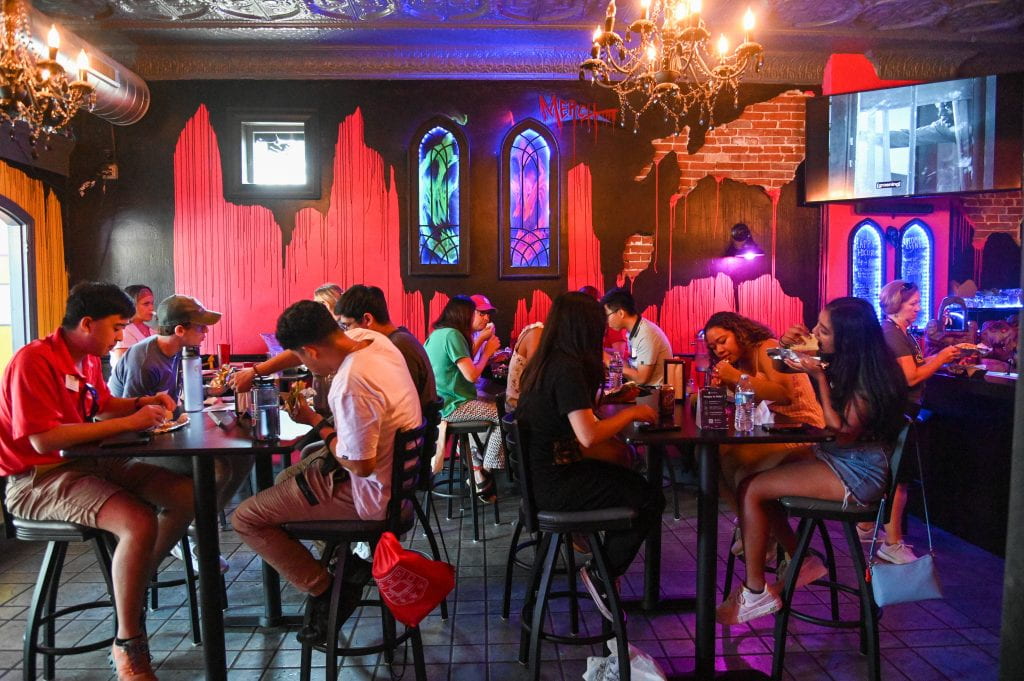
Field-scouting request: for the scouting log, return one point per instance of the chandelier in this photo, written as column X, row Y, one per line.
column 664, row 65
column 36, row 90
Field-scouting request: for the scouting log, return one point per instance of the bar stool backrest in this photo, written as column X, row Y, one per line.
column 405, row 478
column 519, row 446
column 895, row 461
column 431, row 422
column 8, row 518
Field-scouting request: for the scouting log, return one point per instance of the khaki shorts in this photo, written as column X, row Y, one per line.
column 76, row 491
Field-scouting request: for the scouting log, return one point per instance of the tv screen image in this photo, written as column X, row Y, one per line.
column 917, row 140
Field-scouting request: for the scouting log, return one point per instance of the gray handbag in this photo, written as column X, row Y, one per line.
column 914, row 581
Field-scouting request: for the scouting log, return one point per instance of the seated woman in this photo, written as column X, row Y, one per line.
column 739, row 346
column 138, row 330
column 525, row 348
column 863, row 394
column 567, row 441
column 455, row 372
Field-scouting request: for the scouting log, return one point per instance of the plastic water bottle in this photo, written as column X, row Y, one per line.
column 691, row 388
column 192, row 379
column 744, row 420
column 614, row 381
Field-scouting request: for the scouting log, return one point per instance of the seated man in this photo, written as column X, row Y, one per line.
column 372, row 397
column 649, row 346
column 153, row 366
column 51, row 392
column 364, row 307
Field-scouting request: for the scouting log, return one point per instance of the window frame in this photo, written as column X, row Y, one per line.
column 415, row 267
column 237, row 190
column 883, row 279
column 555, row 206
column 929, row 308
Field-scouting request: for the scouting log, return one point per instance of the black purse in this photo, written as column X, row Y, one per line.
column 914, row 581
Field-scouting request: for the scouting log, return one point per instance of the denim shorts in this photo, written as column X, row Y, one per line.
column 862, row 468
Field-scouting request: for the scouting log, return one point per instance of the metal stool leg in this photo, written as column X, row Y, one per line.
column 804, row 532
column 506, row 599
column 868, row 609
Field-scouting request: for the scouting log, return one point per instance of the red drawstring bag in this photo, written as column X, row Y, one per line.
column 410, row 584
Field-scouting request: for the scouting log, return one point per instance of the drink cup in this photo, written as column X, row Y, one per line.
column 667, row 400
column 224, row 353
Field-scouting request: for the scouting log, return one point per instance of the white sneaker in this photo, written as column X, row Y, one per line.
column 897, row 554
column 176, row 552
column 866, row 535
column 744, row 605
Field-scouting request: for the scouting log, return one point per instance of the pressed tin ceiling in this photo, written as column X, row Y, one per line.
column 183, row 39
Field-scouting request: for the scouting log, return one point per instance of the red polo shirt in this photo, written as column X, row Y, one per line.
column 42, row 389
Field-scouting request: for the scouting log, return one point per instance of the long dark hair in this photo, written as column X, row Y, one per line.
column 863, row 366
column 574, row 327
column 458, row 315
column 748, row 332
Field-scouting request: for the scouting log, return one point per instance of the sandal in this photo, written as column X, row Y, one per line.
column 485, row 490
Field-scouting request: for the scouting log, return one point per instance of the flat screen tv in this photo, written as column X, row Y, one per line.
column 949, row 137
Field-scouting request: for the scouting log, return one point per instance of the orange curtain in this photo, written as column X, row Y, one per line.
column 51, row 285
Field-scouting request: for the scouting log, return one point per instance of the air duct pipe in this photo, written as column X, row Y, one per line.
column 122, row 97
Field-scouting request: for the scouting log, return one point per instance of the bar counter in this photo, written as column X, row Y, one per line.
column 965, row 454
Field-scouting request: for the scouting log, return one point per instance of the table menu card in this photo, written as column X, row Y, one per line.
column 711, row 409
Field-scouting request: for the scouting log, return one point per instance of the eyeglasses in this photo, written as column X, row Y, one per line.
column 89, row 402
column 484, row 313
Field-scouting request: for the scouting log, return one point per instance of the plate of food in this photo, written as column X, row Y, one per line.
column 965, row 370
column 172, row 423
column 780, row 355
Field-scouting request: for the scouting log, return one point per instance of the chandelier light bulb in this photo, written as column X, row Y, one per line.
column 723, row 46
column 597, row 33
column 652, row 53
column 681, row 10
column 695, row 6
column 83, row 65
column 645, row 5
column 53, row 41
column 748, row 25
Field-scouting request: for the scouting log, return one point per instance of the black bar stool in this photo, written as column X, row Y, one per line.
column 43, row 612
column 341, row 534
column 812, row 513
column 554, row 530
column 460, row 465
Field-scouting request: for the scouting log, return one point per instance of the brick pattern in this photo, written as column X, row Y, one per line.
column 993, row 213
column 762, row 147
column 637, row 255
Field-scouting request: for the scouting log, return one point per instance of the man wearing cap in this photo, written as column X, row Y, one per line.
column 154, row 366
column 483, row 325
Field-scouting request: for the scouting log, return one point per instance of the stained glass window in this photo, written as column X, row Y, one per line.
column 529, row 166
column 916, row 265
column 439, row 215
column 866, row 263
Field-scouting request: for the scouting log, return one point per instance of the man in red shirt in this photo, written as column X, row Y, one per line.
column 50, row 394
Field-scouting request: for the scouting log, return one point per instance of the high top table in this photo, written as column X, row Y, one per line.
column 706, row 443
column 202, row 439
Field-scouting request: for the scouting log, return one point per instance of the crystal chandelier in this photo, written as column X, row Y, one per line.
column 663, row 65
column 36, row 90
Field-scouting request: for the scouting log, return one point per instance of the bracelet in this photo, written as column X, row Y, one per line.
column 256, row 372
column 331, row 437
column 320, row 426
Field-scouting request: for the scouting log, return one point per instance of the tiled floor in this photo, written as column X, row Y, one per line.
column 956, row 638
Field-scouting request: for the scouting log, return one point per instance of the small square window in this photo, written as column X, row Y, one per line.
column 272, row 154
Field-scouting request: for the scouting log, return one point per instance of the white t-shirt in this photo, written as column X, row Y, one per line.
column 131, row 335
column 648, row 344
column 372, row 397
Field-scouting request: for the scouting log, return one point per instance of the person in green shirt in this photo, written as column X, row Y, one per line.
column 455, row 371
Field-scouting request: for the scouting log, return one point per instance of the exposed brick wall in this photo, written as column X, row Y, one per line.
column 992, row 213
column 762, row 147
column 637, row 255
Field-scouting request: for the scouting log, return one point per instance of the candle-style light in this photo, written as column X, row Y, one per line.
column 723, row 47
column 748, row 25
column 596, row 49
column 53, row 41
column 645, row 5
column 83, row 66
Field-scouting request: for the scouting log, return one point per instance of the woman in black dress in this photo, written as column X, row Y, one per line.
column 568, row 444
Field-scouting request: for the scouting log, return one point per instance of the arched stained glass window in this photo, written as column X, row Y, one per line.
column 438, row 238
column 530, row 228
column 439, row 198
column 867, row 263
column 916, row 260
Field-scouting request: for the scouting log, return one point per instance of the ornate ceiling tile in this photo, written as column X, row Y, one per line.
column 446, row 10
column 177, row 10
column 888, row 15
column 985, row 15
column 261, row 10
column 546, row 11
column 811, row 13
column 81, row 9
column 360, row 10
column 919, row 65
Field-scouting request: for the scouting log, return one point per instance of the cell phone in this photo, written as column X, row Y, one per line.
column 796, row 428
column 658, row 427
column 129, row 439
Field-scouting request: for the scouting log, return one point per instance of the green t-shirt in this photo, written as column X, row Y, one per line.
column 445, row 347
